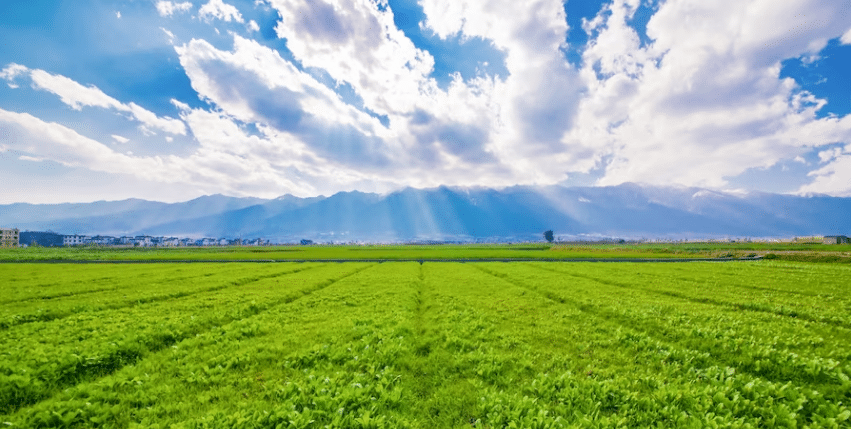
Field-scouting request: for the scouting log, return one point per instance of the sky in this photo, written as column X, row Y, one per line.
column 170, row 100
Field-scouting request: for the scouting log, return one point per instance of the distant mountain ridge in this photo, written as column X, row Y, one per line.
column 444, row 213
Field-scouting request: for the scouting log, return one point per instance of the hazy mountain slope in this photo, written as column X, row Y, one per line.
column 515, row 213
column 114, row 217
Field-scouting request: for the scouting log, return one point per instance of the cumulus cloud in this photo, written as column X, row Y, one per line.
column 691, row 107
column 703, row 101
column 846, row 38
column 12, row 71
column 357, row 43
column 168, row 8
column 255, row 85
column 700, row 102
column 833, row 177
column 205, row 168
column 78, row 96
column 538, row 100
column 217, row 9
column 304, row 126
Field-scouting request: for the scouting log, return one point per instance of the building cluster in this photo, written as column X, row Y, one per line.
column 16, row 238
column 149, row 241
column 9, row 237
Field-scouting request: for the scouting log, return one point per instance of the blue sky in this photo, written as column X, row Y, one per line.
column 169, row 100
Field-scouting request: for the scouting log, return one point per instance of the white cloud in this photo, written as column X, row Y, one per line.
column 30, row 158
column 72, row 93
column 846, row 38
column 833, row 178
column 118, row 14
column 704, row 100
column 254, row 84
column 120, row 139
column 687, row 113
column 306, row 127
column 830, row 155
column 12, row 71
column 357, row 43
column 217, row 9
column 537, row 102
column 150, row 119
column 701, row 102
column 481, row 122
column 49, row 140
column 168, row 8
column 207, row 169
column 78, row 96
column 169, row 34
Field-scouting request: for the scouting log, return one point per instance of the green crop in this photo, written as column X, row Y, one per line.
column 433, row 345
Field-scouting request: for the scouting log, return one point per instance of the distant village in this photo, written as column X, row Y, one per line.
column 16, row 238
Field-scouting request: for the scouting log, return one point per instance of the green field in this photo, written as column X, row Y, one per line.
column 484, row 251
column 786, row 251
column 433, row 345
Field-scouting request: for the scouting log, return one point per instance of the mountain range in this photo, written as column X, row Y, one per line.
column 517, row 213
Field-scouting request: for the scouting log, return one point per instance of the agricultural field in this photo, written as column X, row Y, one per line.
column 434, row 345
column 320, row 252
column 807, row 252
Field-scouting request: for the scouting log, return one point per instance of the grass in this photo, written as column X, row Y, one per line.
column 433, row 345
column 787, row 251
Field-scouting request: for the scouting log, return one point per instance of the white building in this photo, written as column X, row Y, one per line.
column 75, row 240
column 170, row 242
column 10, row 237
column 102, row 240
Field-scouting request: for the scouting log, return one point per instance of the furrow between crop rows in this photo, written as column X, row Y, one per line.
column 705, row 362
column 768, row 362
column 211, row 364
column 433, row 345
column 76, row 279
column 60, row 295
column 839, row 321
column 18, row 389
column 47, row 316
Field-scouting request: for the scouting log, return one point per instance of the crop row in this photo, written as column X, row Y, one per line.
column 126, row 292
column 749, row 343
column 34, row 365
column 275, row 366
column 30, row 282
column 472, row 345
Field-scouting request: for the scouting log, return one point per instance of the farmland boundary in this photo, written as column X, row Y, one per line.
column 362, row 260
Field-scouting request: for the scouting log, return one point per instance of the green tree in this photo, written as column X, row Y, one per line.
column 548, row 235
